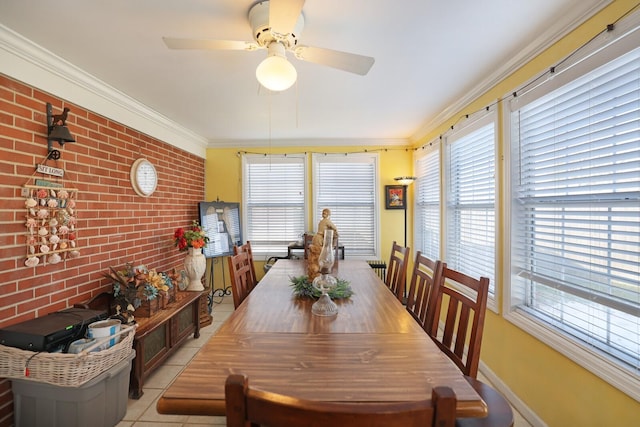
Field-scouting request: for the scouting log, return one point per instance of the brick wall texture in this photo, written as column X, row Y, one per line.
column 115, row 225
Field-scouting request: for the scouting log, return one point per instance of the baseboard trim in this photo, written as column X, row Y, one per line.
column 517, row 403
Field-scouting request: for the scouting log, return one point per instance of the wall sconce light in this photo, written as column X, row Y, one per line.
column 57, row 131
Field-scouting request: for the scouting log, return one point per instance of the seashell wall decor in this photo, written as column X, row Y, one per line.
column 51, row 233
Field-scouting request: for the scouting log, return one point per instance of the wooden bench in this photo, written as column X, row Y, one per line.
column 158, row 336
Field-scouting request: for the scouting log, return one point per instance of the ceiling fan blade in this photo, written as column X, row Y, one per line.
column 173, row 43
column 351, row 62
column 283, row 15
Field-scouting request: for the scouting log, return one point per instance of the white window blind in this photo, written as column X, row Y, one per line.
column 274, row 201
column 575, row 239
column 347, row 185
column 427, row 199
column 470, row 195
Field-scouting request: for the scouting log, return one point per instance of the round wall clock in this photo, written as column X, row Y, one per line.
column 144, row 177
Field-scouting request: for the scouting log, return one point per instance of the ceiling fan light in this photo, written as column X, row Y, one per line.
column 275, row 72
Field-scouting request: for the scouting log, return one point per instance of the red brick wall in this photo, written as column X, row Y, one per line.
column 115, row 225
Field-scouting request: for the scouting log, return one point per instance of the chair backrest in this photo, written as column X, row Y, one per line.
column 421, row 296
column 241, row 281
column 397, row 270
column 462, row 301
column 247, row 248
column 250, row 406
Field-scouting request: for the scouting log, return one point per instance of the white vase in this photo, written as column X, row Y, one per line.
column 195, row 264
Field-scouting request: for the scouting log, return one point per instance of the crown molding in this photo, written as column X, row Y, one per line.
column 29, row 63
column 311, row 142
column 555, row 32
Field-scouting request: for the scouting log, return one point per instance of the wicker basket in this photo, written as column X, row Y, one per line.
column 64, row 369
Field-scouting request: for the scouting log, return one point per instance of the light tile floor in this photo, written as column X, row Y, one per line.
column 143, row 413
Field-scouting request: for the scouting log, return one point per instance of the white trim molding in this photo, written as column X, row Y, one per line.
column 556, row 31
column 312, row 142
column 518, row 404
column 31, row 64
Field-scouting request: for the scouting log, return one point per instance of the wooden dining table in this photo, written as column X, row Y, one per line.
column 371, row 351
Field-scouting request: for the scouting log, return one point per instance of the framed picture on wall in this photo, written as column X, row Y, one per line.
column 395, row 197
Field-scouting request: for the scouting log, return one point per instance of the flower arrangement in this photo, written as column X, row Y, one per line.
column 134, row 285
column 193, row 237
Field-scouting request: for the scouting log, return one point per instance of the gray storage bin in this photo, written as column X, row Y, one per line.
column 100, row 402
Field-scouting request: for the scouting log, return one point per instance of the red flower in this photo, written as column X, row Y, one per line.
column 182, row 244
column 179, row 234
column 192, row 237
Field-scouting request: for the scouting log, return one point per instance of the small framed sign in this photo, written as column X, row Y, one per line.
column 395, row 197
column 49, row 170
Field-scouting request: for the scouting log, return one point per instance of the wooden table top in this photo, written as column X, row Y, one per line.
column 372, row 350
column 272, row 306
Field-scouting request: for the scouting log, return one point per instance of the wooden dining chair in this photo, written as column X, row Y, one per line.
column 248, row 406
column 247, row 248
column 421, row 296
column 241, row 279
column 397, row 270
column 499, row 412
column 461, row 301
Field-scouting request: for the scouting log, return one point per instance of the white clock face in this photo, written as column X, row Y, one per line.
column 144, row 177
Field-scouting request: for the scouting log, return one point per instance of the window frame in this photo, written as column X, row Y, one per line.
column 370, row 158
column 247, row 160
column 471, row 125
column 599, row 52
column 434, row 148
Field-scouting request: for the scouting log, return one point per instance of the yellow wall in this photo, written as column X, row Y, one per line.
column 560, row 392
column 224, row 175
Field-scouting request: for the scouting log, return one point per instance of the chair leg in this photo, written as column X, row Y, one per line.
column 500, row 412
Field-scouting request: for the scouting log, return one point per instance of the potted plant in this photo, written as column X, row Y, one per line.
column 139, row 291
column 192, row 239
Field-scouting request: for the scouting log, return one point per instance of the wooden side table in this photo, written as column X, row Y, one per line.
column 159, row 336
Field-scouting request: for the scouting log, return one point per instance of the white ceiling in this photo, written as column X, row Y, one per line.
column 430, row 57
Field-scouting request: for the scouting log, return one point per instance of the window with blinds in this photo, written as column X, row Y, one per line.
column 273, row 201
column 427, row 200
column 575, row 238
column 347, row 185
column 470, row 200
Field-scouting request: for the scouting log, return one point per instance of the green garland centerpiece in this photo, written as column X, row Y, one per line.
column 303, row 288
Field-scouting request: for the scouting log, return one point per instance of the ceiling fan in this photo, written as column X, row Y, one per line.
column 277, row 25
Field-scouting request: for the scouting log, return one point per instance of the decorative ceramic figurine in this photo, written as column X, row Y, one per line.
column 313, row 268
